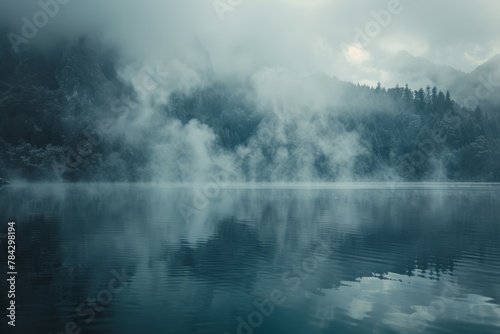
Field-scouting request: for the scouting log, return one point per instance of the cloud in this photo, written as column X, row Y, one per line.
column 258, row 33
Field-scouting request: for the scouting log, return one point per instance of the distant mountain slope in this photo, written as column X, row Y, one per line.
column 481, row 86
column 73, row 114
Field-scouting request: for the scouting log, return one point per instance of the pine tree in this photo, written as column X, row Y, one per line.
column 448, row 104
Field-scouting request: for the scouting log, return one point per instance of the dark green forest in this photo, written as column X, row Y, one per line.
column 66, row 115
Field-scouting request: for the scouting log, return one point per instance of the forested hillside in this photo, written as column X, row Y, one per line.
column 70, row 115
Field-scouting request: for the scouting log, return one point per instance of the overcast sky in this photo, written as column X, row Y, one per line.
column 305, row 36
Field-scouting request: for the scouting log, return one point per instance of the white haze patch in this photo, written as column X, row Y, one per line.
column 155, row 80
column 280, row 88
column 187, row 153
column 298, row 132
column 179, row 152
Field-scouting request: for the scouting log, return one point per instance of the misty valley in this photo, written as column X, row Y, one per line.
column 76, row 116
column 250, row 167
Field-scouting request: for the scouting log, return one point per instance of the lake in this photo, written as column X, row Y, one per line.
column 268, row 258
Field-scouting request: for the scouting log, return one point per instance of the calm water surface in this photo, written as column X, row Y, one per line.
column 129, row 258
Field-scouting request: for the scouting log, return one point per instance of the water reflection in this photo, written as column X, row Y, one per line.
column 400, row 259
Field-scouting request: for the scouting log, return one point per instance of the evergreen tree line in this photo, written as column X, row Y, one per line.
column 49, row 108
